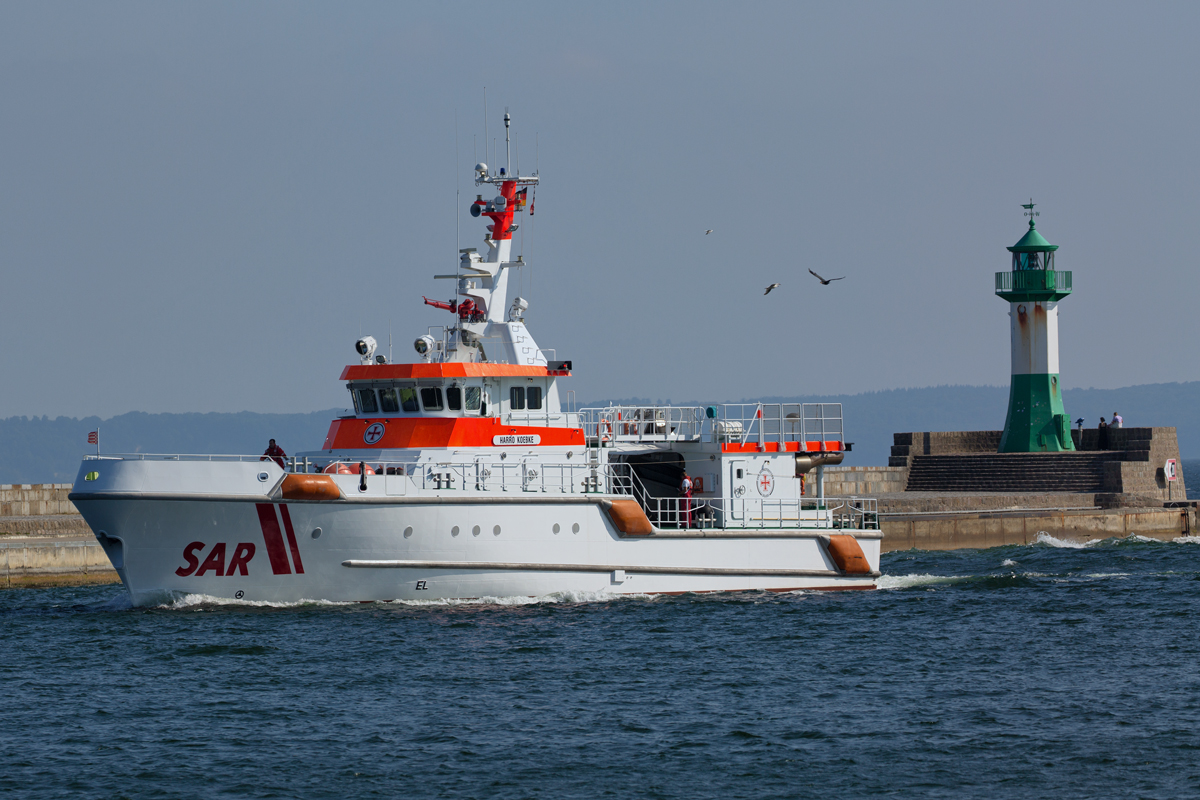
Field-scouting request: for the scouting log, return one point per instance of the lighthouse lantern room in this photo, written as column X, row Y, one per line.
column 1037, row 421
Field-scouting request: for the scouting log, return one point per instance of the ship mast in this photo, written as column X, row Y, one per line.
column 482, row 307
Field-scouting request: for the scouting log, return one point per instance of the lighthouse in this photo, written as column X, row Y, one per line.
column 1037, row 421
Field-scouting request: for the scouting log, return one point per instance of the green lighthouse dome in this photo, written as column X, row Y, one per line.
column 1032, row 242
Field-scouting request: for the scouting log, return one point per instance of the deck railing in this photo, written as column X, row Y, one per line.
column 738, row 423
column 582, row 477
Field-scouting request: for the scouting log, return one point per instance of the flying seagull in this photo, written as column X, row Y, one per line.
column 769, row 288
column 825, row 281
column 707, row 232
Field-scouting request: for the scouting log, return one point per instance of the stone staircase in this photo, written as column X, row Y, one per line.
column 1010, row 472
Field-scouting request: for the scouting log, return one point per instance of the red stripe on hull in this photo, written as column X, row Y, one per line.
column 273, row 539
column 291, row 537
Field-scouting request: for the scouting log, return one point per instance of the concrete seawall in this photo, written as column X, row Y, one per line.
column 53, row 561
column 35, row 500
column 45, row 542
column 981, row 529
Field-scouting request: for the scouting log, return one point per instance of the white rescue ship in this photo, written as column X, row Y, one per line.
column 462, row 475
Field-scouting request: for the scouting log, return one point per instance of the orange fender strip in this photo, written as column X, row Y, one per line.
column 846, row 553
column 629, row 518
column 310, row 487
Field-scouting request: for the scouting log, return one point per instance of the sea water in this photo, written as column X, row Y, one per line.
column 1033, row 671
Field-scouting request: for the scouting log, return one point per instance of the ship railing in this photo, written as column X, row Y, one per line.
column 811, row 425
column 854, row 513
column 542, row 419
column 490, row 475
column 642, row 423
column 175, row 457
column 447, row 339
column 780, row 423
column 575, row 477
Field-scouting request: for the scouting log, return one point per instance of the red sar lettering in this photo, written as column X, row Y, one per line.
column 215, row 562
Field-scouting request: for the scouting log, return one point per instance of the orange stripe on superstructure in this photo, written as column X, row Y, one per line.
column 456, row 369
column 347, row 434
column 773, row 447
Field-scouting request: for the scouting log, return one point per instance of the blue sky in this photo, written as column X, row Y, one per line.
column 204, row 205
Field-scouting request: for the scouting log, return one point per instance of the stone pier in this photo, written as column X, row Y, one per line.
column 45, row 542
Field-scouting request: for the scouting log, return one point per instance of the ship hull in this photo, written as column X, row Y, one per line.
column 251, row 550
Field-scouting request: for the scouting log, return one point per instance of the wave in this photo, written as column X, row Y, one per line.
column 1053, row 541
column 118, row 602
column 190, row 601
column 907, row 581
column 1044, row 538
column 194, row 600
column 553, row 598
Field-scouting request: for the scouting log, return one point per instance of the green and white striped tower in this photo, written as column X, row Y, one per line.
column 1036, row 419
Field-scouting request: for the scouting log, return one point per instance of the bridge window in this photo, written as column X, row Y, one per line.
column 408, row 399
column 473, row 395
column 533, row 397
column 366, row 401
column 516, row 398
column 388, row 401
column 454, row 398
column 431, row 398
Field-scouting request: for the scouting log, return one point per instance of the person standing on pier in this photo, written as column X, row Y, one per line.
column 1102, row 435
column 1118, row 421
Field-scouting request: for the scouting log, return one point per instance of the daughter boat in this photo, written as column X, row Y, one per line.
column 462, row 475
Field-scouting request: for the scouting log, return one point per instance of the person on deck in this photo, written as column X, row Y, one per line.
column 275, row 453
column 686, row 486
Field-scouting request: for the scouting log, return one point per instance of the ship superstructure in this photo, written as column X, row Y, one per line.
column 466, row 473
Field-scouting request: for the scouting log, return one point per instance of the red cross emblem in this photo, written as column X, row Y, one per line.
column 766, row 482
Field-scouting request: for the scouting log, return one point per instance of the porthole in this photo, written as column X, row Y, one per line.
column 262, row 476
column 575, row 528
column 454, row 531
column 91, row 476
column 557, row 528
column 408, row 532
column 316, row 534
column 496, row 531
column 475, row 531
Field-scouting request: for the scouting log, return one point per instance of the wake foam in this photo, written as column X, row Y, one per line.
column 907, row 581
column 1053, row 541
column 192, row 601
column 553, row 598
column 195, row 600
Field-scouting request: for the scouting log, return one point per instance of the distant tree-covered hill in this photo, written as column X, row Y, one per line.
column 43, row 450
